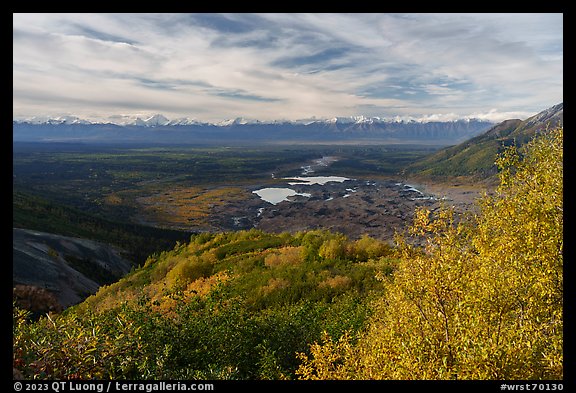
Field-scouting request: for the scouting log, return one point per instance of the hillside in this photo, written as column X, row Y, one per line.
column 34, row 212
column 230, row 305
column 68, row 253
column 70, row 268
column 476, row 157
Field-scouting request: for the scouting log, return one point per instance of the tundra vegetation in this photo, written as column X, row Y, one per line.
column 472, row 297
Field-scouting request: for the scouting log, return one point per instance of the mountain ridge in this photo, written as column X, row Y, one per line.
column 159, row 129
column 159, row 120
column 476, row 156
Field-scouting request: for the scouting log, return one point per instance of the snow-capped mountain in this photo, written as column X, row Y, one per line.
column 159, row 120
column 183, row 121
column 153, row 121
column 358, row 120
column 551, row 115
column 238, row 121
column 239, row 131
column 351, row 129
column 138, row 122
column 57, row 120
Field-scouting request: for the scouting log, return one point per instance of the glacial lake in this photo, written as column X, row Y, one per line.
column 275, row 195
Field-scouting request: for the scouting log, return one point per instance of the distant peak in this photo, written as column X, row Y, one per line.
column 156, row 120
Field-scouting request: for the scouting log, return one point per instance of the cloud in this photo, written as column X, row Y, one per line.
column 270, row 66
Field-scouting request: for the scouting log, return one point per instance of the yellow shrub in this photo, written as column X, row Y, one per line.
column 336, row 282
column 275, row 284
column 188, row 270
column 284, row 256
column 203, row 285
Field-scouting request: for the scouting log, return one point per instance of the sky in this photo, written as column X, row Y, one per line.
column 213, row 67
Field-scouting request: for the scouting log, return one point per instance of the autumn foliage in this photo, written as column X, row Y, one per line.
column 483, row 298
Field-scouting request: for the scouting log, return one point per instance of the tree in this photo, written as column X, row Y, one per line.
column 482, row 299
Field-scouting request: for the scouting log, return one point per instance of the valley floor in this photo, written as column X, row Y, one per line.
column 354, row 207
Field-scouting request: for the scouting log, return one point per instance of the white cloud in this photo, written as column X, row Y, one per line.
column 291, row 66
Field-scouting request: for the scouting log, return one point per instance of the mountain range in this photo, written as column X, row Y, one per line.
column 159, row 129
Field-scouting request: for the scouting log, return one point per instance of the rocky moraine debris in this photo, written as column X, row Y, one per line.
column 353, row 207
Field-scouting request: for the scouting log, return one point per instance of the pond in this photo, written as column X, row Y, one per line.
column 277, row 195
